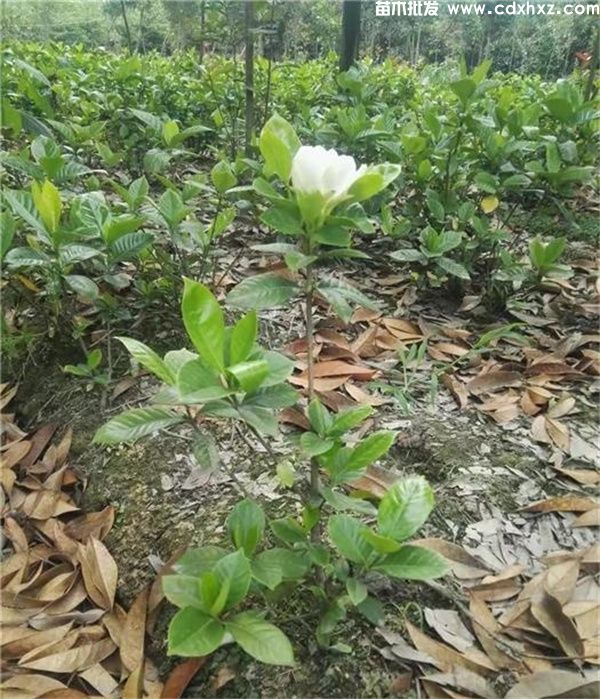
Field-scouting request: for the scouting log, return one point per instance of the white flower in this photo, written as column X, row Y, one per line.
column 315, row 169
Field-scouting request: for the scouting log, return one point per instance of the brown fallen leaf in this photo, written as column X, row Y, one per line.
column 591, row 518
column 132, row 635
column 100, row 679
column 561, row 579
column 567, row 503
column 73, row 660
column 463, row 564
column 581, row 475
column 491, row 381
column 547, row 610
column 457, row 389
column 489, row 633
column 446, row 658
column 449, row 626
column 39, row 441
column 555, row 684
column 558, row 433
column 181, row 676
column 223, row 676
column 374, row 482
column 91, row 524
column 99, row 572
column 135, row 682
column 401, row 683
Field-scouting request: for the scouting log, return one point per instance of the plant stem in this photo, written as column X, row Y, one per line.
column 309, row 298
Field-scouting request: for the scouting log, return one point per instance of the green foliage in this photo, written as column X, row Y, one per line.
column 239, row 382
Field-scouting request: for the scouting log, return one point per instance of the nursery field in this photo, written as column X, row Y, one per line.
column 298, row 400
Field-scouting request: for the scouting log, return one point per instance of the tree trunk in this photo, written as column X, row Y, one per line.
column 127, row 31
column 202, row 29
column 249, row 72
column 350, row 33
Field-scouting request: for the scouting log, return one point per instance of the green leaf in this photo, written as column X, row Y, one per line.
column 560, row 108
column 135, row 423
column 380, row 543
column 195, row 562
column 341, row 502
column 313, row 445
column 222, row 176
column 117, row 227
column 194, row 633
column 368, row 450
column 206, row 451
column 288, row 530
column 372, row 609
column 148, row 358
column 278, row 144
column 280, row 367
column 404, row 508
column 261, row 419
column 172, row 208
column 348, row 419
column 129, row 245
column 233, row 571
column 84, row 287
column 292, row 565
column 357, row 591
column 7, row 232
column 319, row 417
column 375, row 179
column 248, row 376
column 347, row 535
column 246, row 525
column 464, row 89
column 282, row 220
column 279, row 396
column 203, row 320
column 243, row 336
column 182, row 590
column 453, row 267
column 413, row 563
column 296, row 260
column 266, row 569
column 198, row 383
column 70, row 254
column 46, row 198
column 260, row 639
column 25, row 257
column 552, row 158
column 263, row 291
column 170, row 129
column 407, row 255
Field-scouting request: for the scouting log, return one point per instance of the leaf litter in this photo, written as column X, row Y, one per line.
column 64, row 635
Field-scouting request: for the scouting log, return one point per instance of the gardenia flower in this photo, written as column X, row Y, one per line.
column 316, row 169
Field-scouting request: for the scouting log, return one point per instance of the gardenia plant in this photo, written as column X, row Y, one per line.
column 332, row 552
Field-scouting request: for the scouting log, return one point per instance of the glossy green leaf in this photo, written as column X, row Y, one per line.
column 135, row 423
column 260, row 639
column 243, row 336
column 405, row 507
column 246, row 525
column 194, row 633
column 278, row 144
column 263, row 291
column 203, row 320
column 413, row 563
column 148, row 358
column 347, row 535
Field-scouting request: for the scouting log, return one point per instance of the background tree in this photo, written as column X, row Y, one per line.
column 350, row 33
